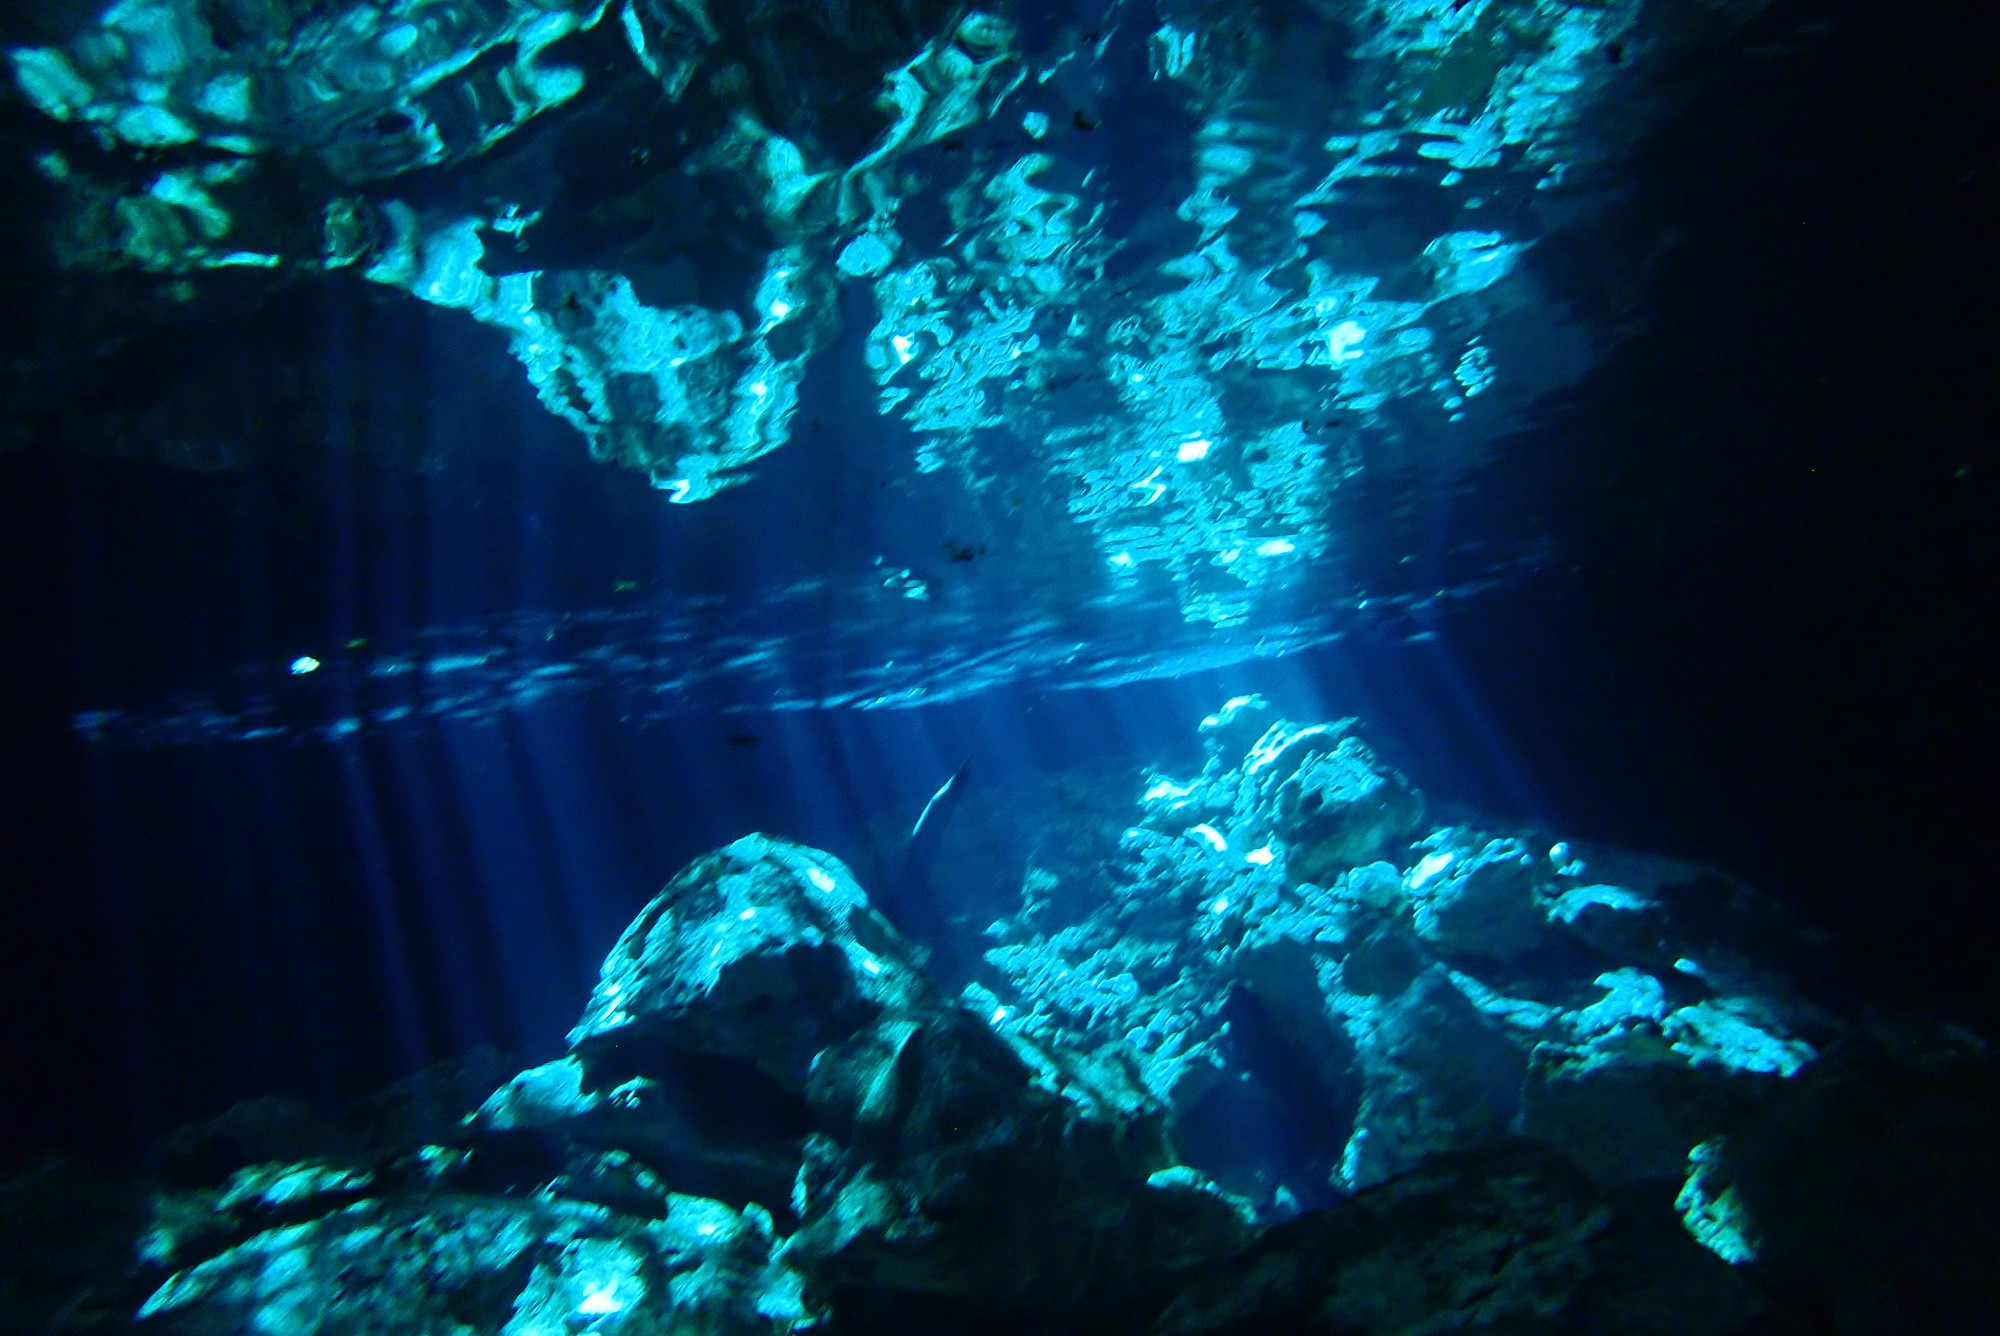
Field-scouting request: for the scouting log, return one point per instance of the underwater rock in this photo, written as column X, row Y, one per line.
column 1618, row 922
column 192, row 1225
column 1332, row 802
column 1454, row 1087
column 1457, row 987
column 1439, row 1076
column 500, row 1265
column 1628, row 1108
column 1632, row 1081
column 272, row 1129
column 765, row 952
column 926, row 1153
column 1503, row 1238
column 1737, row 1033
column 1216, row 918
column 1479, row 901
column 1229, row 734
column 459, row 1238
column 1865, row 1187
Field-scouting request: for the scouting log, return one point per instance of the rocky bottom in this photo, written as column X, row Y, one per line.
column 1296, row 1059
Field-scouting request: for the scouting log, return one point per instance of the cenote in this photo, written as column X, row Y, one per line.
column 1051, row 666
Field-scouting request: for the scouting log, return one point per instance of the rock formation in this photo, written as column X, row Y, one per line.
column 1308, row 1065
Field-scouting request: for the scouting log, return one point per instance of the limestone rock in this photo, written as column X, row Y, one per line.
column 1335, row 805
column 1439, row 1076
column 1478, row 902
column 927, row 1153
column 507, row 1266
column 1506, row 1238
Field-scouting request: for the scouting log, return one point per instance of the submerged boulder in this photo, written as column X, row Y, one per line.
column 1332, row 802
column 765, row 951
column 1440, row 1076
column 927, row 1153
column 1481, row 902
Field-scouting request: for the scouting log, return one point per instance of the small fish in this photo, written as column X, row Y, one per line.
column 743, row 739
column 962, row 551
column 910, row 899
column 938, row 810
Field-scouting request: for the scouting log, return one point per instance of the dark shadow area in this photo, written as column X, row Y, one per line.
column 1771, row 509
column 1271, row 1124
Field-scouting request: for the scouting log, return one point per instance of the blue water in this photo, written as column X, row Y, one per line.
column 371, row 705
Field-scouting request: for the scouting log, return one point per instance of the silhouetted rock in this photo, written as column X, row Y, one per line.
column 68, row 1264
column 1505, row 1238
column 1866, row 1190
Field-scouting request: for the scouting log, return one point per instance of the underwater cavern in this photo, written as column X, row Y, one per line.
column 1149, row 667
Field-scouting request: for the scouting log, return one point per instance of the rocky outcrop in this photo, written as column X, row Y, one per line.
column 765, row 1110
column 1506, row 1238
column 1478, row 902
column 446, row 1263
column 1461, row 1084
column 1438, row 988
column 927, row 1153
